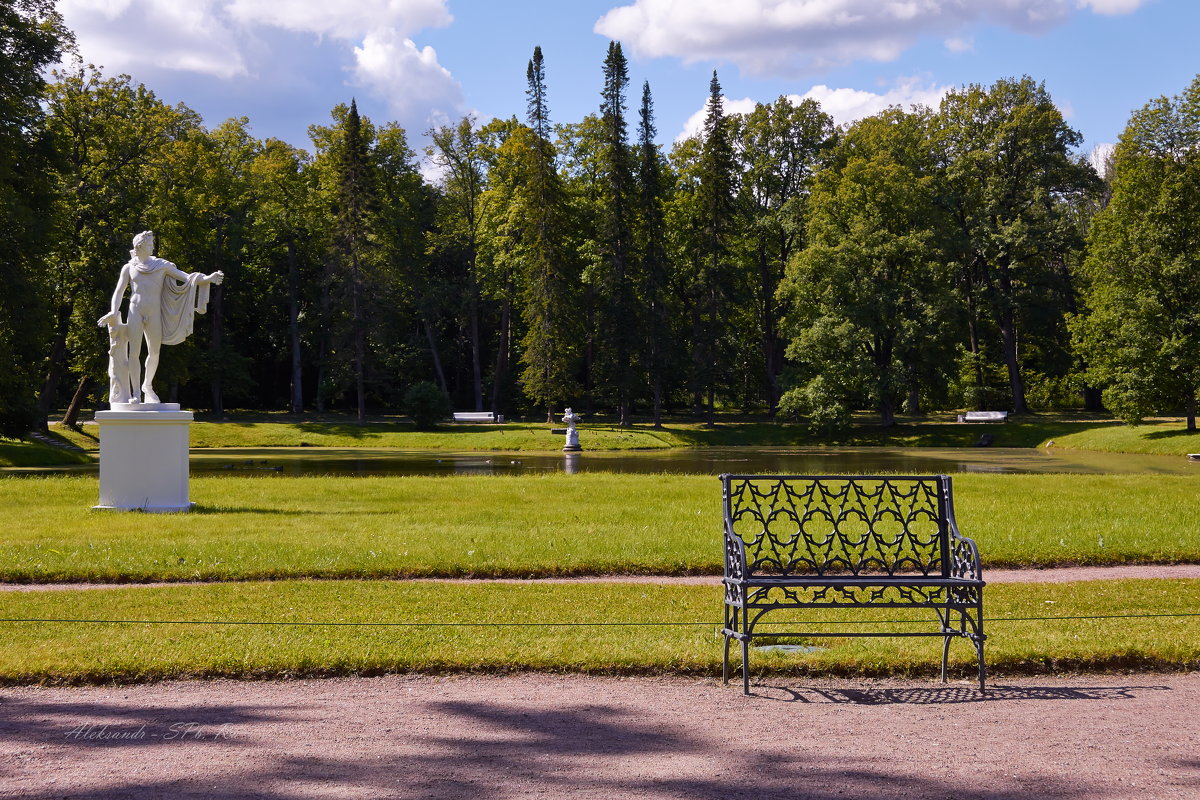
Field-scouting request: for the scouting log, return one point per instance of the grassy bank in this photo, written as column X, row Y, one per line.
column 936, row 431
column 509, row 631
column 23, row 453
column 554, row 524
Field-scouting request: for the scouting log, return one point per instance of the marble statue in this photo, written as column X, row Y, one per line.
column 163, row 302
column 572, row 435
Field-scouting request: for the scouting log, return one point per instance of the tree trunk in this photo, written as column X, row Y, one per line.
column 502, row 353
column 914, row 400
column 1191, row 413
column 297, row 393
column 1008, row 336
column 56, row 367
column 71, row 417
column 437, row 363
column 887, row 414
column 476, row 367
column 214, row 347
column 360, row 343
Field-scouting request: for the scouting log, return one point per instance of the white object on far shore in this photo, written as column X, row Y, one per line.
column 572, row 445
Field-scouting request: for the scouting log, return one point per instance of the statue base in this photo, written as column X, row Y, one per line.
column 144, row 457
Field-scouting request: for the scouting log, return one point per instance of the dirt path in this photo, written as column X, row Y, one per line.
column 544, row 736
column 1057, row 575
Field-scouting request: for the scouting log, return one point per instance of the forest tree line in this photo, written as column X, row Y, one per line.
column 964, row 256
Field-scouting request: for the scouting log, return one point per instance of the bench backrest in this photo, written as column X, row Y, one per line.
column 829, row 525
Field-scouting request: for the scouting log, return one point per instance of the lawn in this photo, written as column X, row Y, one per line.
column 21, row 453
column 934, row 431
column 553, row 524
column 490, row 627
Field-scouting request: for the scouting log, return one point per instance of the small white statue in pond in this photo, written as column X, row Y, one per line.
column 163, row 302
column 572, row 435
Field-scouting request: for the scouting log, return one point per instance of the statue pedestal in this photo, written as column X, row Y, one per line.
column 144, row 457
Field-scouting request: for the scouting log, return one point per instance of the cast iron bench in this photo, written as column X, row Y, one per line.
column 796, row 542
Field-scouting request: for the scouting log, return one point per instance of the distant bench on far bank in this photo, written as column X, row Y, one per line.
column 984, row 416
column 478, row 416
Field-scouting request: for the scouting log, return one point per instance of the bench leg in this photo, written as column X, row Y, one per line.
column 746, row 666
column 725, row 664
column 945, row 655
column 982, row 670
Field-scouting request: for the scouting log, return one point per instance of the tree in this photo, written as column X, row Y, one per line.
column 548, row 285
column 619, row 312
column 780, row 146
column 1007, row 166
column 283, row 216
column 713, row 284
column 652, row 252
column 867, row 296
column 110, row 134
column 1140, row 333
column 458, row 151
column 32, row 37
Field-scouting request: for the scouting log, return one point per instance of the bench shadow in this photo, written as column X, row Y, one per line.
column 945, row 695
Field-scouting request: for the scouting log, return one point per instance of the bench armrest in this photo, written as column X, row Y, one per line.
column 735, row 554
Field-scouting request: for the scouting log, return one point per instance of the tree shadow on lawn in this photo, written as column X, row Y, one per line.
column 481, row 749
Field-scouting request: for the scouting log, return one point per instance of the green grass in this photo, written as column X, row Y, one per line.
column 554, row 524
column 19, row 453
column 1162, row 438
column 49, row 652
column 933, row 431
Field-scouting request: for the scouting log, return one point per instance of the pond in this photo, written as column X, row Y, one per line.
column 706, row 461
column 683, row 461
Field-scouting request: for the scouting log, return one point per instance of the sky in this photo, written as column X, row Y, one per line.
column 284, row 64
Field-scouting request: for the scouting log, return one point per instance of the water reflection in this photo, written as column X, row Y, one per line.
column 708, row 461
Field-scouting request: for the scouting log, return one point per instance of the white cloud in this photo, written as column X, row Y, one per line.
column 225, row 39
column 844, row 105
column 343, row 20
column 959, row 44
column 790, row 36
column 125, row 35
column 419, row 90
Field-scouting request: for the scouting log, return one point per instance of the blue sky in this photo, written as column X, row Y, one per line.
column 286, row 63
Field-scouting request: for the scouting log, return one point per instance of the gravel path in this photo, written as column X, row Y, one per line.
column 544, row 736
column 1056, row 575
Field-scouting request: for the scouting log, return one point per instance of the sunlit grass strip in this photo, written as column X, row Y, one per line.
column 545, row 525
column 514, row 627
column 529, row 436
column 14, row 453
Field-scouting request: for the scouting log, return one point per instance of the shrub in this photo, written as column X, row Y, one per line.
column 426, row 404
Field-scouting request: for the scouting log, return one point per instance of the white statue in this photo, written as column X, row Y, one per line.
column 572, row 435
column 163, row 302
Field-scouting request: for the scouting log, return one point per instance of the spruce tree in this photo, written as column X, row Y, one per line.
column 619, row 321
column 652, row 252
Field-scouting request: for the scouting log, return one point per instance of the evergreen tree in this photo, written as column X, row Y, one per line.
column 652, row 252
column 619, row 318
column 548, row 283
column 713, row 283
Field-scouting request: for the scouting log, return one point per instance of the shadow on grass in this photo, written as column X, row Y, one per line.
column 1173, row 434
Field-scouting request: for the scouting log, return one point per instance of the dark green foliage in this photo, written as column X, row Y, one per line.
column 426, row 404
column 1141, row 331
column 31, row 38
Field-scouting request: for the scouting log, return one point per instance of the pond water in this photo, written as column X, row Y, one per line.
column 684, row 461
column 707, row 461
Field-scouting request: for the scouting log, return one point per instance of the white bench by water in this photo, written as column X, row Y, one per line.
column 984, row 416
